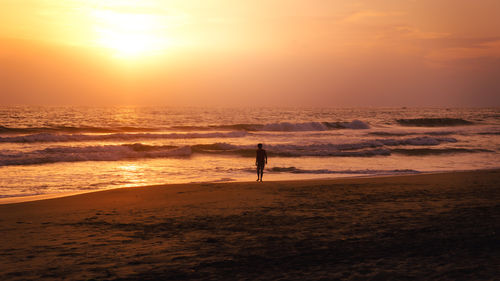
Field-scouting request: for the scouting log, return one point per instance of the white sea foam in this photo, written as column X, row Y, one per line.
column 356, row 124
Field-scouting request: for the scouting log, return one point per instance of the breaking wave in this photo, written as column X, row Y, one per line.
column 312, row 126
column 287, row 150
column 272, row 127
column 69, row 129
column 433, row 122
column 382, row 147
column 283, row 126
column 47, row 137
column 358, row 149
column 91, row 153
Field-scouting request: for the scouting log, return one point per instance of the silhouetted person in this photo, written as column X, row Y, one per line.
column 260, row 161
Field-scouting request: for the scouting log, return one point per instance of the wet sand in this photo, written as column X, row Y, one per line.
column 420, row 227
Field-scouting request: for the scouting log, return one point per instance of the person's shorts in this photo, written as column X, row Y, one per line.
column 261, row 165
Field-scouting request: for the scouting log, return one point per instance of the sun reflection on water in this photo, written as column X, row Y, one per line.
column 132, row 174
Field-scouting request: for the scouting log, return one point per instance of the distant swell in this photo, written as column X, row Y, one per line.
column 433, row 122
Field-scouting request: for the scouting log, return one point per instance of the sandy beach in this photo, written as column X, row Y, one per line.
column 419, row 227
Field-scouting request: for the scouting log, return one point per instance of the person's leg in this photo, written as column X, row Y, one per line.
column 261, row 172
column 258, row 167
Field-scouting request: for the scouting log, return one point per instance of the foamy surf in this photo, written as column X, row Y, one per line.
column 369, row 148
column 73, row 149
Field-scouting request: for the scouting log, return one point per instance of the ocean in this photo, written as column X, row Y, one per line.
column 49, row 150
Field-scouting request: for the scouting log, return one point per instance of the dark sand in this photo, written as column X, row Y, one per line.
column 423, row 227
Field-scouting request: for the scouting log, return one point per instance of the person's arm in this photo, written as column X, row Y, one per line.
column 257, row 159
column 265, row 155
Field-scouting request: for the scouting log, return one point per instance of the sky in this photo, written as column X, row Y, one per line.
column 335, row 53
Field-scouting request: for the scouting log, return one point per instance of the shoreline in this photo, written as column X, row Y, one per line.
column 38, row 197
column 428, row 226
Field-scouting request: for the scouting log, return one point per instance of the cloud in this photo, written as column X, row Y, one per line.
column 437, row 49
column 370, row 15
column 473, row 49
column 461, row 42
column 416, row 33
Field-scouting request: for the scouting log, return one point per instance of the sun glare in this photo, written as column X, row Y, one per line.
column 130, row 35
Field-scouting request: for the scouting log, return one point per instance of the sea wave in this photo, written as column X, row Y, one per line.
column 436, row 151
column 496, row 133
column 48, row 137
column 288, row 150
column 272, row 127
column 312, row 126
column 294, row 170
column 91, row 153
column 383, row 147
column 281, row 127
column 433, row 122
column 70, row 129
column 402, row 134
column 356, row 149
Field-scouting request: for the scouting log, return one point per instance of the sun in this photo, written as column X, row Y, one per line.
column 130, row 35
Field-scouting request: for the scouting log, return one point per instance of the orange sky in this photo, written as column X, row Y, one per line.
column 273, row 52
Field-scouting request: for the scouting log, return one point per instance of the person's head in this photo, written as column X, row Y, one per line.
column 259, row 145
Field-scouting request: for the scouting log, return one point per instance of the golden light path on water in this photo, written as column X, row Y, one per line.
column 132, row 173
